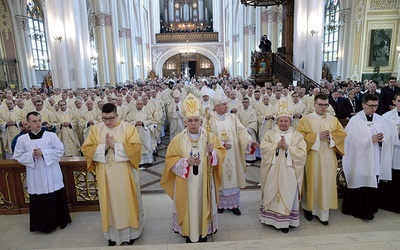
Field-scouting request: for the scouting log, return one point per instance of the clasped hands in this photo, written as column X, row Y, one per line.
column 109, row 141
column 195, row 161
column 37, row 152
column 282, row 143
column 325, row 135
column 10, row 123
column 65, row 124
column 269, row 117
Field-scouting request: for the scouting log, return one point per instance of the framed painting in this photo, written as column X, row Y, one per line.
column 379, row 49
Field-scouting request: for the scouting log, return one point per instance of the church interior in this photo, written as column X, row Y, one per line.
column 78, row 45
column 87, row 44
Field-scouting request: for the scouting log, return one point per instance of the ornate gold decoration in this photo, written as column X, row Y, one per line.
column 283, row 105
column 24, row 186
column 323, row 145
column 5, row 24
column 191, row 106
column 383, row 4
column 360, row 12
column 8, row 204
column 85, row 186
column 225, row 136
column 228, row 169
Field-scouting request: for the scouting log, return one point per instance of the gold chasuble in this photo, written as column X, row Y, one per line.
column 16, row 115
column 117, row 178
column 192, row 194
column 321, row 163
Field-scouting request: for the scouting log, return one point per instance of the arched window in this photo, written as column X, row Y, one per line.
column 331, row 31
column 38, row 35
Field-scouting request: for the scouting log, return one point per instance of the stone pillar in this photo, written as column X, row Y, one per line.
column 273, row 32
column 139, row 58
column 24, row 47
column 102, row 23
column 344, row 67
column 264, row 22
column 57, row 38
column 124, row 75
column 287, row 27
column 69, row 43
column 129, row 52
column 235, row 55
column 249, row 45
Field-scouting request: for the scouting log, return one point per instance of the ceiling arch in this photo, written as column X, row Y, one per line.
column 214, row 54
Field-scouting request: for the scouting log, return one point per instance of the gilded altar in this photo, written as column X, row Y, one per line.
column 80, row 186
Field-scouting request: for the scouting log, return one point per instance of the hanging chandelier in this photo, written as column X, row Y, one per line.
column 265, row 3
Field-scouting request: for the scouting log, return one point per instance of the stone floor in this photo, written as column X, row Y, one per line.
column 151, row 174
column 234, row 232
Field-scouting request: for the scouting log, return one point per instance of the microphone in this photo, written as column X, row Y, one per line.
column 195, row 170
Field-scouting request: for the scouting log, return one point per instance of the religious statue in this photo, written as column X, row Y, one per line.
column 48, row 80
column 152, row 74
column 263, row 67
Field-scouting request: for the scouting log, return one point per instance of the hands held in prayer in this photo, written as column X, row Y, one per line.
column 65, row 124
column 139, row 123
column 209, row 148
column 269, row 117
column 254, row 144
column 324, row 135
column 109, row 141
column 378, row 137
column 37, row 152
column 10, row 123
column 296, row 115
column 234, row 111
column 282, row 143
column 47, row 125
column 193, row 161
column 227, row 146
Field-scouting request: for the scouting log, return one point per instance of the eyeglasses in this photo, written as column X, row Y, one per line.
column 323, row 105
column 108, row 119
column 371, row 105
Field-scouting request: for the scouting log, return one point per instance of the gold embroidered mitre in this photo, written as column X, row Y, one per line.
column 191, row 106
column 281, row 113
column 282, row 109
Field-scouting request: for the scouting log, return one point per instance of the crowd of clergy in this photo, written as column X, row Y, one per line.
column 297, row 133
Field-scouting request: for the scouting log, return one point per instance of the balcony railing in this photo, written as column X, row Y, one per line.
column 184, row 37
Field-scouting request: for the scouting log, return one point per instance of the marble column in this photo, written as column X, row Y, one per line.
column 344, row 66
column 287, row 27
column 69, row 43
column 102, row 27
column 249, row 45
column 24, row 47
column 273, row 32
column 123, row 51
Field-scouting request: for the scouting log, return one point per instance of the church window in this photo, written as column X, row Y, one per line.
column 38, row 35
column 331, row 31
